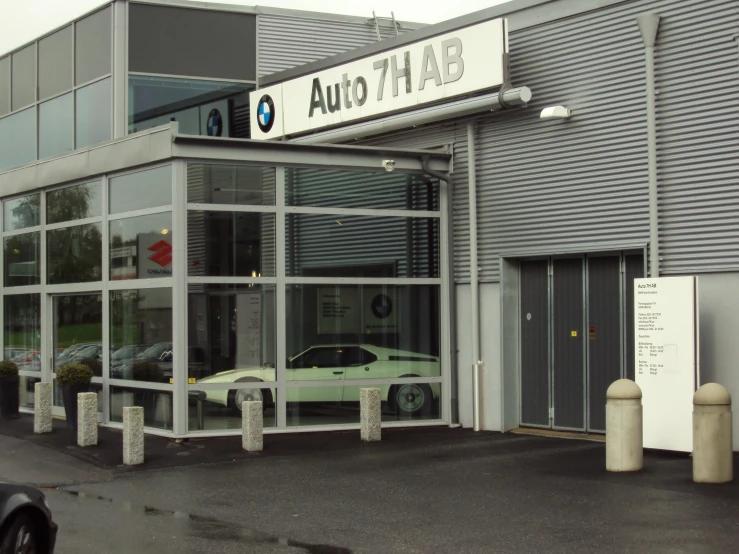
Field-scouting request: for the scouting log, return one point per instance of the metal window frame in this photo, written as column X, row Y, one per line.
column 178, row 285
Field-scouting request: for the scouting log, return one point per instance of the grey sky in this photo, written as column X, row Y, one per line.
column 24, row 20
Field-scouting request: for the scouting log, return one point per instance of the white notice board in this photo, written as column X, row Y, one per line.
column 666, row 349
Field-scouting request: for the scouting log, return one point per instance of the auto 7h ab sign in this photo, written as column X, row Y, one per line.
column 446, row 66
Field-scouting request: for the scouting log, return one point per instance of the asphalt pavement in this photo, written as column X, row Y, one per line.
column 423, row 490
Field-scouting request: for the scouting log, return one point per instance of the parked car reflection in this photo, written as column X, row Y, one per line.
column 342, row 364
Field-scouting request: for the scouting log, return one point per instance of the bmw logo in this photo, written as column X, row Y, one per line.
column 266, row 113
column 382, row 306
column 215, row 123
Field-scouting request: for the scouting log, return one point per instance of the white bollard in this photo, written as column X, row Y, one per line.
column 624, row 431
column 42, row 408
column 370, row 416
column 133, row 435
column 713, row 460
column 87, row 419
column 252, row 426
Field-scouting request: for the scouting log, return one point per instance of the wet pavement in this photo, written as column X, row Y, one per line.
column 424, row 490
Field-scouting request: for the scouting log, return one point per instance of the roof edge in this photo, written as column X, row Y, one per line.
column 429, row 31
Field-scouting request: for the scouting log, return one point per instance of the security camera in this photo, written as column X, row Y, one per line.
column 389, row 165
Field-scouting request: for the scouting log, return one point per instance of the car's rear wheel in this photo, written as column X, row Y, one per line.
column 249, row 394
column 411, row 400
column 21, row 537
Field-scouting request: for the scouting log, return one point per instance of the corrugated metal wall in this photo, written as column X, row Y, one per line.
column 583, row 182
column 698, row 135
column 287, row 41
column 557, row 184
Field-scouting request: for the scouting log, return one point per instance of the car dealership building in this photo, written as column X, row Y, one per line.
column 216, row 203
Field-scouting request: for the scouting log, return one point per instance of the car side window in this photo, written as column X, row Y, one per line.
column 355, row 356
column 321, row 357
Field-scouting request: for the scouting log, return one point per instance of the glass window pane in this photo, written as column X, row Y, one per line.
column 355, row 189
column 74, row 254
column 93, row 47
column 22, row 317
column 18, row 139
column 22, row 212
column 229, row 244
column 141, row 247
column 231, row 327
column 157, row 405
column 145, row 189
column 93, row 112
column 77, row 331
column 209, row 410
column 4, row 85
column 55, row 63
column 230, row 184
column 76, row 202
column 27, row 391
column 156, row 101
column 141, row 329
column 22, row 253
column 56, row 126
column 24, row 77
column 333, row 245
column 198, row 42
column 374, row 331
column 340, row 405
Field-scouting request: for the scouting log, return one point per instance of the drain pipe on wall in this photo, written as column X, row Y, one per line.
column 648, row 26
column 478, row 369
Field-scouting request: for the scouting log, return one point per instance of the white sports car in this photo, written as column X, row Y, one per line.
column 343, row 364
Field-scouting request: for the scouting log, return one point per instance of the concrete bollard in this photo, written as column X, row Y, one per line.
column 252, row 426
column 42, row 408
column 87, row 419
column 370, row 415
column 624, row 431
column 133, row 435
column 712, row 440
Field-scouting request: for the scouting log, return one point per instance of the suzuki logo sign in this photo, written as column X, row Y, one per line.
column 162, row 253
column 154, row 256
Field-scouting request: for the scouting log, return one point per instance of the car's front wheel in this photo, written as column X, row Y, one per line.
column 21, row 537
column 411, row 400
column 249, row 394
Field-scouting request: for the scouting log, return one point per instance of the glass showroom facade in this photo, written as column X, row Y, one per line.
column 190, row 286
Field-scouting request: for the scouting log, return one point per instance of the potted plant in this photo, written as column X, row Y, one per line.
column 72, row 380
column 9, row 389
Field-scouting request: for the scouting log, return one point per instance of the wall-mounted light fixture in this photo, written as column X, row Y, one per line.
column 556, row 112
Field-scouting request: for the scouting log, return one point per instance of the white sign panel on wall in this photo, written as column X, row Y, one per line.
column 666, row 336
column 349, row 311
column 454, row 64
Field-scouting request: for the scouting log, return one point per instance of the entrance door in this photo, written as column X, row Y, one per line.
column 534, row 325
column 576, row 337
column 568, row 371
column 604, row 334
column 76, row 337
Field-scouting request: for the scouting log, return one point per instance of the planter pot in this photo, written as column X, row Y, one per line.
column 69, row 396
column 9, row 398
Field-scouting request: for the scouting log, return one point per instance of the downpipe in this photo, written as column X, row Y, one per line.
column 649, row 26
